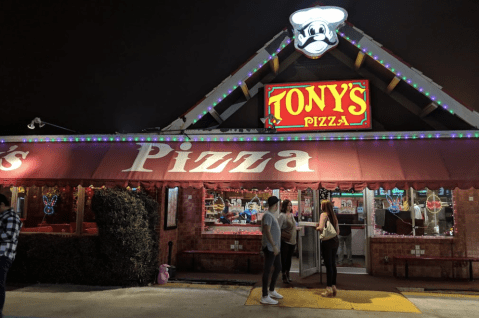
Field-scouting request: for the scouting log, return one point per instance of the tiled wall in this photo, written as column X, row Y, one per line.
column 464, row 243
column 470, row 223
column 190, row 238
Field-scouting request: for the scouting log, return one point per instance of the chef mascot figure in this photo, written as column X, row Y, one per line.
column 315, row 29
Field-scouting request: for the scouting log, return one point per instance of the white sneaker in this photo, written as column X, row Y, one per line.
column 268, row 301
column 274, row 294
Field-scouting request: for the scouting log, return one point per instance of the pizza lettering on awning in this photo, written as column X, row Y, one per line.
column 329, row 164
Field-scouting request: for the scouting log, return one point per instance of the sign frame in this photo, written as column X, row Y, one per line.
column 317, row 106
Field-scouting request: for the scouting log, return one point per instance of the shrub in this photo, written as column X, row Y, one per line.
column 128, row 241
column 125, row 253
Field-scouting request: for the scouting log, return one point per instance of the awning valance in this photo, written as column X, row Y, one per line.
column 431, row 163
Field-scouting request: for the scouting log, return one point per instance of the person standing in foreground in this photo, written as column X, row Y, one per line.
column 271, row 244
column 329, row 248
column 287, row 224
column 10, row 225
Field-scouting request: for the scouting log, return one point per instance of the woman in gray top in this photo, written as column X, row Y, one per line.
column 287, row 223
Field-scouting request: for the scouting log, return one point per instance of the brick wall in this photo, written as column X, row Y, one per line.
column 190, row 238
column 469, row 231
column 464, row 243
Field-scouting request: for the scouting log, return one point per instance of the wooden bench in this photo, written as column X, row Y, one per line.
column 37, row 229
column 433, row 258
column 220, row 252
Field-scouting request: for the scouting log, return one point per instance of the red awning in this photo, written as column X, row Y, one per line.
column 428, row 163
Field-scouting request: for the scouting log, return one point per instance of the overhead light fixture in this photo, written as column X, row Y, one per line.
column 41, row 123
column 273, row 120
column 38, row 121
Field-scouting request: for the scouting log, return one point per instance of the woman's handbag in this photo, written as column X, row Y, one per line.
column 329, row 232
column 286, row 235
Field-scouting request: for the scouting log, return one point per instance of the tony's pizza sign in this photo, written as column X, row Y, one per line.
column 335, row 105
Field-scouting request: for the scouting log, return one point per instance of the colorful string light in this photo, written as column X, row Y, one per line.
column 394, row 71
column 281, row 47
column 391, row 136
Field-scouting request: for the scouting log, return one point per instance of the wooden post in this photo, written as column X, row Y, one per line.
column 274, row 63
column 80, row 209
column 393, row 84
column 245, row 90
column 359, row 60
column 427, row 110
column 14, row 198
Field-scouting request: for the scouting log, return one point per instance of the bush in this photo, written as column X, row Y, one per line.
column 128, row 240
column 125, row 253
column 43, row 258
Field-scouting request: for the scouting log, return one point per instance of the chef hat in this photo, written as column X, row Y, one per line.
column 331, row 15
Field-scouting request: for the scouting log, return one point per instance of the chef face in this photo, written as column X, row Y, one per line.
column 315, row 37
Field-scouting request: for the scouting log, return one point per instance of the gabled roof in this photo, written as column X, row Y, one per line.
column 409, row 95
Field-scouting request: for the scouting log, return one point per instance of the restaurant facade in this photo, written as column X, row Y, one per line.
column 349, row 122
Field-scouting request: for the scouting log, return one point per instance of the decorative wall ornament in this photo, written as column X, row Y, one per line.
column 394, row 203
column 433, row 203
column 49, row 204
column 315, row 29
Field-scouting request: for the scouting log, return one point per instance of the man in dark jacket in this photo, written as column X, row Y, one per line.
column 10, row 225
column 345, row 240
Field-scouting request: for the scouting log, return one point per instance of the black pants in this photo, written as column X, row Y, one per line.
column 329, row 249
column 287, row 251
column 269, row 260
column 5, row 264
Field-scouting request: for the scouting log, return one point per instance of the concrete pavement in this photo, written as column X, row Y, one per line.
column 185, row 301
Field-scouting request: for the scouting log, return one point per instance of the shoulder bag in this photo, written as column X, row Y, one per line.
column 329, row 232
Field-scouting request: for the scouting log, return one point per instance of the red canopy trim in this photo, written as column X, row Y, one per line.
column 314, row 164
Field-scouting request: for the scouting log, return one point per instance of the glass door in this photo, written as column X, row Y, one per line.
column 308, row 238
column 351, row 211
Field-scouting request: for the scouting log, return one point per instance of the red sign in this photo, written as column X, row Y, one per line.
column 337, row 105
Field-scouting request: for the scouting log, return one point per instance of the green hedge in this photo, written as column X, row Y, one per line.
column 125, row 252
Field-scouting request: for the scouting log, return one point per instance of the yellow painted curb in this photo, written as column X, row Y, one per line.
column 345, row 299
column 439, row 295
column 202, row 286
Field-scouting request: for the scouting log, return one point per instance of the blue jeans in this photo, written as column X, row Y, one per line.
column 5, row 264
column 345, row 241
column 269, row 260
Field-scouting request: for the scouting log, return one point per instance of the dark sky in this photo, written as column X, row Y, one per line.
column 111, row 66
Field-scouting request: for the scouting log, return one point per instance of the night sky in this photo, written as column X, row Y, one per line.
column 123, row 66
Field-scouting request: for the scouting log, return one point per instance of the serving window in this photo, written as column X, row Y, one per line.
column 240, row 211
column 414, row 212
column 234, row 211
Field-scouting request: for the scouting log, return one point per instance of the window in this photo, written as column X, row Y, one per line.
column 414, row 212
column 47, row 209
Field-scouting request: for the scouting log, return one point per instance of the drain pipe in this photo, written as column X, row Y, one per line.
column 172, row 269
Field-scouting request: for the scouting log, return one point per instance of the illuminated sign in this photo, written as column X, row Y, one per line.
column 315, row 29
column 338, row 105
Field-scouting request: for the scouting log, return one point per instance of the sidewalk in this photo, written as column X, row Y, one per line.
column 344, row 281
column 194, row 294
column 182, row 300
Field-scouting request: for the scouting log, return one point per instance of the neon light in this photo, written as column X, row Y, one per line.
column 394, row 203
column 48, row 210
